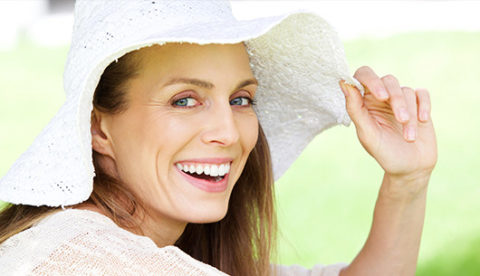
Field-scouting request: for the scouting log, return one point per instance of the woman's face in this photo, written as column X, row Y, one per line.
column 189, row 127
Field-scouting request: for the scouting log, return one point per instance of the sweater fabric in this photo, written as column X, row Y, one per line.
column 82, row 242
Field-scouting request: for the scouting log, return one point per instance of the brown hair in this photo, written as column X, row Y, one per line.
column 239, row 244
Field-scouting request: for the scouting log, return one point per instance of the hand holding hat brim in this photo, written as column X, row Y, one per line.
column 396, row 129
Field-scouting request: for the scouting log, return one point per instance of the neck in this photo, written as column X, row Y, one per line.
column 162, row 230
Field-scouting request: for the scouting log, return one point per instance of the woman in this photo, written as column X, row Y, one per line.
column 182, row 165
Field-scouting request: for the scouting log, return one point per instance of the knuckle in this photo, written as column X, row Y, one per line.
column 409, row 93
column 378, row 84
column 362, row 70
column 407, row 89
column 423, row 93
column 422, row 90
column 397, row 99
column 412, row 124
column 390, row 78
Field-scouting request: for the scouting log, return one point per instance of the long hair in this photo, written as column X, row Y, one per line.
column 239, row 244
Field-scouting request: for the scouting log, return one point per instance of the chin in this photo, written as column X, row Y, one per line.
column 207, row 215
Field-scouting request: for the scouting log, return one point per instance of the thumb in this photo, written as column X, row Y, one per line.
column 355, row 107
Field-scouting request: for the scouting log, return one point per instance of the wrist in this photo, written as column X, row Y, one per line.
column 404, row 187
column 419, row 176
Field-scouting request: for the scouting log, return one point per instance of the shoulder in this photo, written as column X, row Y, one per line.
column 316, row 270
column 51, row 239
column 81, row 241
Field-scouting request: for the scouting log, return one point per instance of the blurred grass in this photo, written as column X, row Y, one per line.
column 325, row 201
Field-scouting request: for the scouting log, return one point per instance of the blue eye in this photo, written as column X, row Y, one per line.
column 185, row 102
column 242, row 101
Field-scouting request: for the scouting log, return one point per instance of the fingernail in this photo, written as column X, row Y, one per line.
column 411, row 133
column 424, row 116
column 383, row 94
column 343, row 88
column 403, row 114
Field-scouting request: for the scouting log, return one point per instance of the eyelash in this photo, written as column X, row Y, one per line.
column 251, row 101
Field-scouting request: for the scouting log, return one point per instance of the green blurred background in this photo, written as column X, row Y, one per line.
column 325, row 201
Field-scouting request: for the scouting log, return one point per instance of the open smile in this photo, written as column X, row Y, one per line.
column 207, row 177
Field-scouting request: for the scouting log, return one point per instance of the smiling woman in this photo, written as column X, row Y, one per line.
column 160, row 155
column 164, row 133
column 164, row 141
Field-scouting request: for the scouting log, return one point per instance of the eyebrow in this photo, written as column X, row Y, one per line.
column 206, row 84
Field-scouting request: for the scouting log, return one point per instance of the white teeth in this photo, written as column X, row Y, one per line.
column 213, row 170
column 221, row 170
column 208, row 169
column 199, row 169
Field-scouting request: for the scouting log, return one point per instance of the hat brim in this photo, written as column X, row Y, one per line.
column 297, row 56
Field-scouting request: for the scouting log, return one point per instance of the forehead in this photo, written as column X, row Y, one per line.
column 186, row 57
column 222, row 66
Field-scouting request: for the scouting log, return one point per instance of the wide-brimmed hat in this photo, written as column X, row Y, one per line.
column 297, row 58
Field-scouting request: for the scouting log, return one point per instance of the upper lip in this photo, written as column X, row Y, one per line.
column 211, row 160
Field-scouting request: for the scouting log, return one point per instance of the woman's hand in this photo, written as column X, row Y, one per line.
column 393, row 124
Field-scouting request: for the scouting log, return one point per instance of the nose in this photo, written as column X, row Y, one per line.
column 220, row 126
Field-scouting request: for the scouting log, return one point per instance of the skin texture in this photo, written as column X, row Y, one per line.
column 167, row 124
column 142, row 144
column 394, row 126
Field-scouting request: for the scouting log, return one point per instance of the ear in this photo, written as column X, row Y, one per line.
column 101, row 142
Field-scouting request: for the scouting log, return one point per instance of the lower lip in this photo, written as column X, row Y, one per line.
column 211, row 187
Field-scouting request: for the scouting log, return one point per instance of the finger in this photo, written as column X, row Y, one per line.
column 368, row 78
column 424, row 105
column 397, row 98
column 410, row 128
column 355, row 107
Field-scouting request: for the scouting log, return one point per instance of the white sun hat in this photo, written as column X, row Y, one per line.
column 297, row 58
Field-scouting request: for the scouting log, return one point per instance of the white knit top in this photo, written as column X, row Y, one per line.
column 82, row 242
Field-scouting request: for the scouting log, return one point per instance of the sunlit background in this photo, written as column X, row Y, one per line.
column 325, row 201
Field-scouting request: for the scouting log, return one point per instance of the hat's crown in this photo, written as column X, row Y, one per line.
column 99, row 25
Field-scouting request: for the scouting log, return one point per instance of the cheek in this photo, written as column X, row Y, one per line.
column 140, row 137
column 165, row 134
column 132, row 143
column 249, row 132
